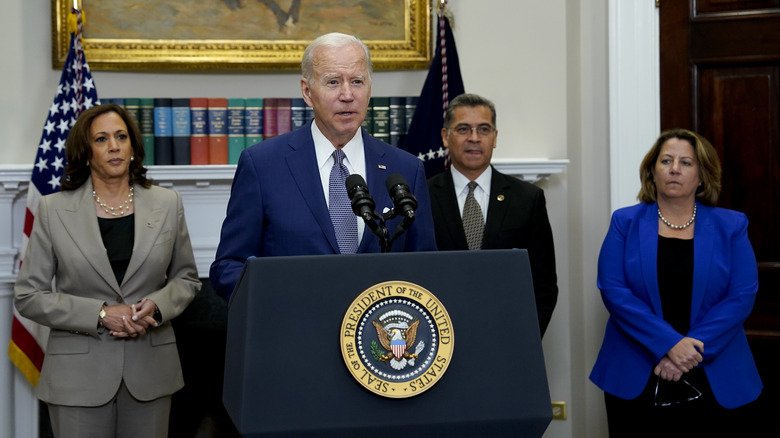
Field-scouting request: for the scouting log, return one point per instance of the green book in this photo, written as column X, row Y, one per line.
column 397, row 120
column 381, row 120
column 254, row 120
column 368, row 122
column 133, row 106
column 147, row 128
column 236, row 128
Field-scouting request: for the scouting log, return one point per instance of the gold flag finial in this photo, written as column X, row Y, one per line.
column 72, row 17
column 445, row 11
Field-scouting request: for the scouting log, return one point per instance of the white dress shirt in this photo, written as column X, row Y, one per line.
column 481, row 192
column 354, row 159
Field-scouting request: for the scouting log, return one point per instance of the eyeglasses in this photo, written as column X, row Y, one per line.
column 669, row 393
column 465, row 130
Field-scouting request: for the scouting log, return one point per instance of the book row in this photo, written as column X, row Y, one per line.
column 185, row 131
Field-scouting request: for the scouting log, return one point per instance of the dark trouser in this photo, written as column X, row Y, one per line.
column 673, row 412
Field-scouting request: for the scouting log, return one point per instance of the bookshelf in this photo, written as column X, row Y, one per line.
column 215, row 130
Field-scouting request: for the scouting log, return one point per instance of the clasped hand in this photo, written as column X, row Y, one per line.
column 129, row 321
column 683, row 357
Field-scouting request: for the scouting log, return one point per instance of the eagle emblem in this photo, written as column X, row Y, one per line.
column 396, row 339
column 397, row 332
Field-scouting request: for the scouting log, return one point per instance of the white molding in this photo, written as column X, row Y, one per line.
column 14, row 181
column 634, row 94
column 7, row 370
column 531, row 170
column 526, row 169
column 202, row 174
column 25, row 406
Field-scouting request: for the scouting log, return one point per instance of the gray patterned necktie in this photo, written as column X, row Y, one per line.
column 344, row 220
column 473, row 221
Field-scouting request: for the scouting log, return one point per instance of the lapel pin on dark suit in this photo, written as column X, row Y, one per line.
column 500, row 198
column 381, row 166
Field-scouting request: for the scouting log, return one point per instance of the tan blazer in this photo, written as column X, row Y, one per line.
column 84, row 366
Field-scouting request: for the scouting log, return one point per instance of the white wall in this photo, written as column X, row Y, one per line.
column 588, row 202
column 544, row 64
column 515, row 53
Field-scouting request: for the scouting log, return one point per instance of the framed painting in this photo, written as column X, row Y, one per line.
column 239, row 34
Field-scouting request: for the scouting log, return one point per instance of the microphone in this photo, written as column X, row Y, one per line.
column 403, row 200
column 362, row 203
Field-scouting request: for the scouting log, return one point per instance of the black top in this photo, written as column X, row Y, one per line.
column 675, row 281
column 118, row 235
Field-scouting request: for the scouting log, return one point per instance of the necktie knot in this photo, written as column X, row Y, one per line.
column 338, row 156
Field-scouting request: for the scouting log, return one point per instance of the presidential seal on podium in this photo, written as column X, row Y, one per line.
column 397, row 339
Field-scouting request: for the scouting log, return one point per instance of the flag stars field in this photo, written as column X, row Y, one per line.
column 45, row 146
column 49, row 127
column 75, row 91
column 60, row 145
column 42, row 164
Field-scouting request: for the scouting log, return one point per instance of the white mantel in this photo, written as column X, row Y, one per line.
column 205, row 191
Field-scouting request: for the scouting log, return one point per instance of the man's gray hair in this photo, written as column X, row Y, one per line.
column 471, row 100
column 333, row 39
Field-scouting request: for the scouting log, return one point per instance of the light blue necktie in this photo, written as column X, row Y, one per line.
column 344, row 220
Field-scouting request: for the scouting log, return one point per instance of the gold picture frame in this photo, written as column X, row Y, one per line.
column 398, row 33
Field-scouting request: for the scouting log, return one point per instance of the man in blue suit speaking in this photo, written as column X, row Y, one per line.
column 288, row 195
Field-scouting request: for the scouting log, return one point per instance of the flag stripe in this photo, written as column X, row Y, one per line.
column 21, row 361
column 75, row 92
column 28, row 221
column 30, row 354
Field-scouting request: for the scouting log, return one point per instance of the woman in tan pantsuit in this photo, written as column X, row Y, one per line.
column 108, row 265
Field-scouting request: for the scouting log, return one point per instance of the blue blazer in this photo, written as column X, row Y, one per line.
column 725, row 282
column 277, row 206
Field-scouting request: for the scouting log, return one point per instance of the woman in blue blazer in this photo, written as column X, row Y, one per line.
column 678, row 277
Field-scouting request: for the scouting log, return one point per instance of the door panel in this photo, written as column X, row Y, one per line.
column 710, row 6
column 739, row 116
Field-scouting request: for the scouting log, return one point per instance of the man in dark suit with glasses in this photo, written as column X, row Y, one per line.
column 477, row 207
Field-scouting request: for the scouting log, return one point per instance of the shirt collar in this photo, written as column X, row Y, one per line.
column 460, row 181
column 353, row 150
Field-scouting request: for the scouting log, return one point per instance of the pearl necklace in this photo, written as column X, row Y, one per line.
column 115, row 211
column 678, row 227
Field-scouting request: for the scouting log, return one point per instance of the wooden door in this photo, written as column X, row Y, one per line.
column 720, row 76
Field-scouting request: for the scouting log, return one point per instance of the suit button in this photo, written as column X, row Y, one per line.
column 119, row 300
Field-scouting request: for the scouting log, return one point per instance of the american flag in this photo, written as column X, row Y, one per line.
column 75, row 93
column 443, row 83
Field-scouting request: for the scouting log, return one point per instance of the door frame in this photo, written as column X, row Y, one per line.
column 634, row 94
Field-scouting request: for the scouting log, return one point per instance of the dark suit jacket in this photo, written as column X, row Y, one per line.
column 519, row 220
column 725, row 282
column 83, row 365
column 277, row 206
